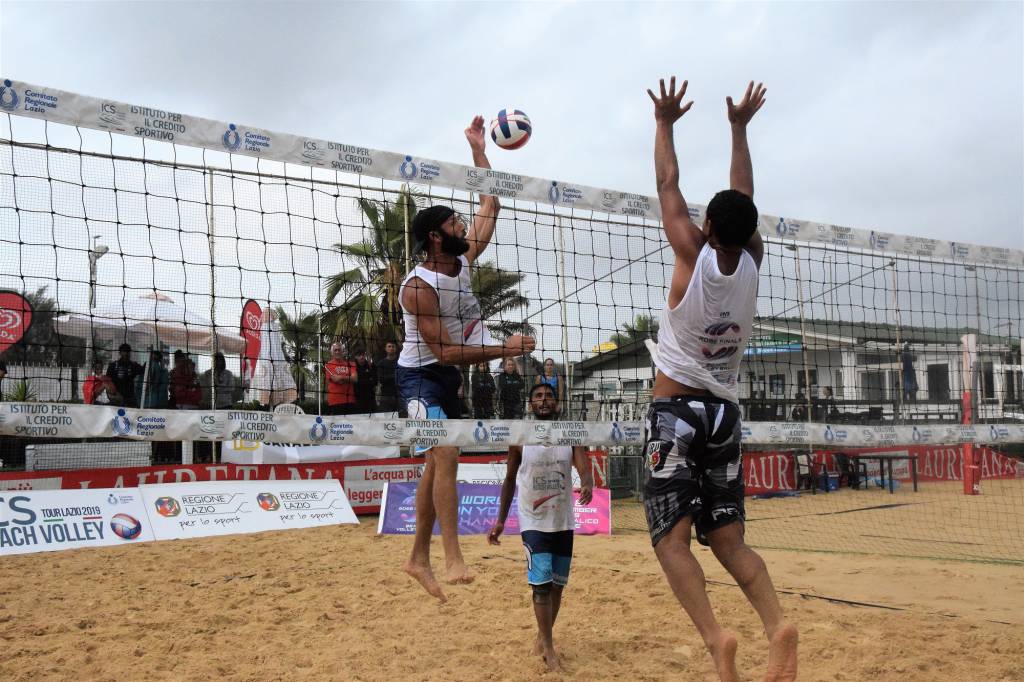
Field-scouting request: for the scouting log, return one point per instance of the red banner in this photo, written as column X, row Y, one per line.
column 249, row 329
column 15, row 318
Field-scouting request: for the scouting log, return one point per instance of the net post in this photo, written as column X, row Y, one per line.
column 971, row 468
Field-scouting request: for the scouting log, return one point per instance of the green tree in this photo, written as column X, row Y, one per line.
column 369, row 314
column 642, row 327
column 369, row 310
column 300, row 336
column 499, row 293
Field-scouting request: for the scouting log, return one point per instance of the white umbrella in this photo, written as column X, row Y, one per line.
column 272, row 381
column 151, row 320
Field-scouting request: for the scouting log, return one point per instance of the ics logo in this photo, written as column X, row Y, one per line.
column 125, row 527
column 475, row 178
column 167, row 506
column 268, row 502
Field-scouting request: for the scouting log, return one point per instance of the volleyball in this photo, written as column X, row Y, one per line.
column 512, row 129
column 125, row 526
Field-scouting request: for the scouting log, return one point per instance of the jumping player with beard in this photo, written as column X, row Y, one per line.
column 444, row 329
column 546, row 520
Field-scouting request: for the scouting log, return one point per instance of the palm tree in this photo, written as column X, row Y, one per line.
column 300, row 335
column 499, row 293
column 370, row 314
column 643, row 327
column 370, row 309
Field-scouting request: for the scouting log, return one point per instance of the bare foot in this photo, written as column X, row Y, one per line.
column 723, row 652
column 458, row 573
column 551, row 660
column 782, row 655
column 425, row 577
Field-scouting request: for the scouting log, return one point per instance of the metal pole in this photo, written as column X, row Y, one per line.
column 564, row 312
column 405, row 215
column 899, row 345
column 803, row 330
column 213, row 297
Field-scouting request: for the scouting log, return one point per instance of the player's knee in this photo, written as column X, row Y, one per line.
column 542, row 593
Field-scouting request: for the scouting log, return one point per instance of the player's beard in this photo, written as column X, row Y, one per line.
column 452, row 245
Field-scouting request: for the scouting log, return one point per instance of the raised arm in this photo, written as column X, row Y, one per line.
column 508, row 489
column 480, row 233
column 420, row 300
column 683, row 235
column 741, row 170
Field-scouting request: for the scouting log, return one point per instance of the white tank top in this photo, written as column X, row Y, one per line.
column 701, row 341
column 545, row 489
column 460, row 314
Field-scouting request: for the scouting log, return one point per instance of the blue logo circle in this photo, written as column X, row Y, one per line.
column 408, row 168
column 8, row 96
column 480, row 433
column 319, row 430
column 121, row 424
column 231, row 139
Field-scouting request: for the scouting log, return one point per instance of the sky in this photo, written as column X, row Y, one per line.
column 901, row 117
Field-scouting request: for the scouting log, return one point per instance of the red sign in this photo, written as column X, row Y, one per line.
column 249, row 329
column 15, row 318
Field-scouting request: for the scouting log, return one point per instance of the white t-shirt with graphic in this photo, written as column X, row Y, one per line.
column 545, row 489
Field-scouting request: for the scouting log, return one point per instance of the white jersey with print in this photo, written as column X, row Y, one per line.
column 701, row 341
column 460, row 314
column 545, row 489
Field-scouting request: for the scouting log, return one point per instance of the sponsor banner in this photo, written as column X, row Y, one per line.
column 223, row 508
column 15, row 318
column 51, row 520
column 35, row 101
column 61, row 420
column 478, row 510
column 250, row 327
column 768, row 472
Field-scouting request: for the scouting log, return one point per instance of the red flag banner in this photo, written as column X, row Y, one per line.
column 250, row 327
column 15, row 318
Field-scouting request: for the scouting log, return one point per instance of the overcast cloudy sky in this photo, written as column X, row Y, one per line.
column 905, row 117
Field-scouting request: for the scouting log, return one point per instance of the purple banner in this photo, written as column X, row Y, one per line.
column 478, row 510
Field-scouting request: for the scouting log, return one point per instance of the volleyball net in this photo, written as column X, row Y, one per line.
column 122, row 224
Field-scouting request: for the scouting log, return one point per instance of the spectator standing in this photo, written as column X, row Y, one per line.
column 98, row 389
column 341, row 376
column 224, row 383
column 387, row 399
column 483, row 392
column 551, row 378
column 366, row 384
column 154, row 393
column 510, row 384
column 184, row 383
column 124, row 372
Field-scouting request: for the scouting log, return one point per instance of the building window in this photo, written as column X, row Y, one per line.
column 938, row 382
column 633, row 385
column 872, row 385
column 777, row 385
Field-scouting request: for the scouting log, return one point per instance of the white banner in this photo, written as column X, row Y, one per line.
column 24, row 99
column 51, row 520
column 59, row 420
column 191, row 510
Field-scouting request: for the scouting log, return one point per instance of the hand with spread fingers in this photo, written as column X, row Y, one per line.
column 740, row 114
column 669, row 108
